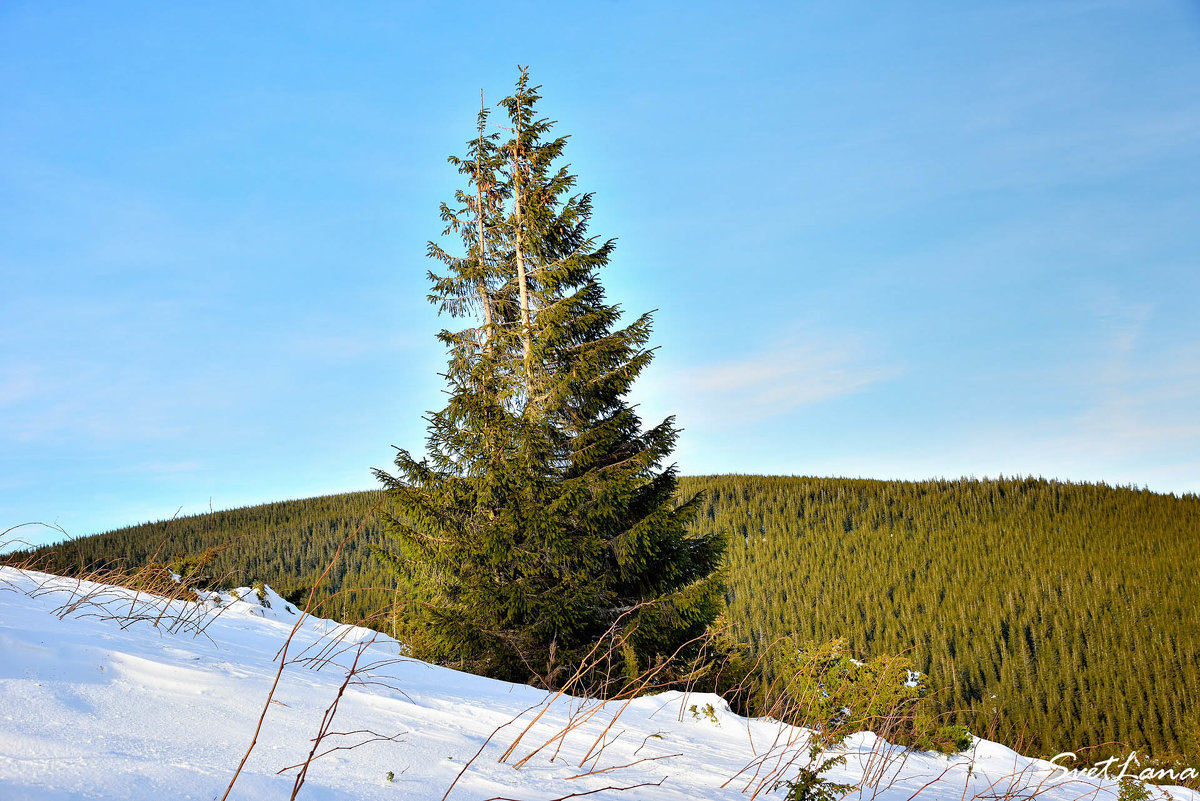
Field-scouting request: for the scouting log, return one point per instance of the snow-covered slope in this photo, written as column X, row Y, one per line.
column 107, row 694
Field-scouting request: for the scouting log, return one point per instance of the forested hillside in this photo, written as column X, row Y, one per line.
column 287, row 544
column 1056, row 616
column 1068, row 611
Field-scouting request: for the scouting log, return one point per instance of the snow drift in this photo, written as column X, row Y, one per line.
column 108, row 693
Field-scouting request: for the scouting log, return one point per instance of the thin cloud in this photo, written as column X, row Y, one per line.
column 1135, row 420
column 18, row 383
column 348, row 347
column 87, row 404
column 773, row 383
column 1143, row 407
column 1144, row 399
column 156, row 469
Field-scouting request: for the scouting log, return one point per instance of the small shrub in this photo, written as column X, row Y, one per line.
column 952, row 739
column 808, row 784
column 705, row 712
column 1133, row 790
column 296, row 596
column 926, row 734
column 826, row 689
column 193, row 569
column 629, row 661
column 260, row 589
column 823, row 687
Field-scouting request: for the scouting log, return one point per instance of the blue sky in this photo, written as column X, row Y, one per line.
column 885, row 240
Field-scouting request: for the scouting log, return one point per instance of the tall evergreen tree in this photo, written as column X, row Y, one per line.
column 542, row 515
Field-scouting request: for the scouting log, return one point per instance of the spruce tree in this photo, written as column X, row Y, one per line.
column 542, row 515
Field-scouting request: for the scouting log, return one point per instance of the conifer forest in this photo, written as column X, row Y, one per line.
column 1046, row 614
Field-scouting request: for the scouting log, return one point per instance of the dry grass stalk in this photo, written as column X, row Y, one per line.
column 282, row 657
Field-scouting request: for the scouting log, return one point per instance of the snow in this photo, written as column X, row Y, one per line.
column 106, row 693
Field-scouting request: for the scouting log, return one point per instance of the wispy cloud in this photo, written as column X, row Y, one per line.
column 18, row 382
column 1135, row 416
column 353, row 346
column 161, row 469
column 773, row 382
column 1144, row 399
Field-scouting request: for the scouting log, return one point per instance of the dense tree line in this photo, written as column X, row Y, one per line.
column 1053, row 615
column 287, row 544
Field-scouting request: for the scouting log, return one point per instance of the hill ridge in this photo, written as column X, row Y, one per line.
column 1056, row 615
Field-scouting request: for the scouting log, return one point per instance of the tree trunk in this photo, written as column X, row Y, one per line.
column 484, row 298
column 522, row 275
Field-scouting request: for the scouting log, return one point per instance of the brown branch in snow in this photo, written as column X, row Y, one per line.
column 287, row 643
column 589, row 792
column 622, row 767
